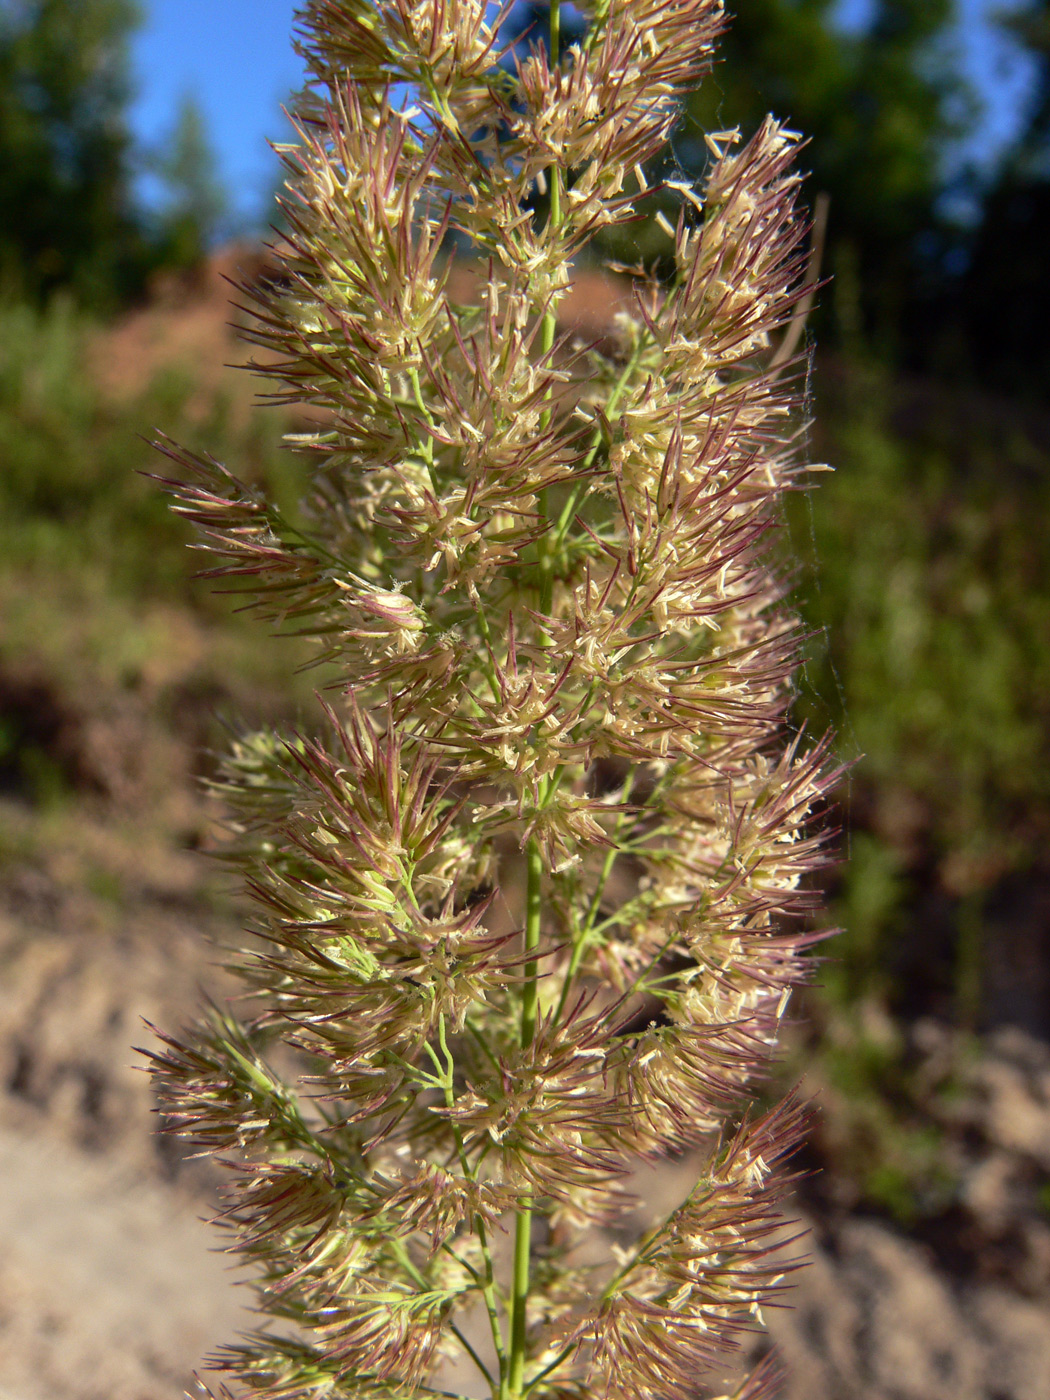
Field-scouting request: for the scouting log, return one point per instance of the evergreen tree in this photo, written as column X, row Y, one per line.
column 66, row 212
column 1004, row 295
column 196, row 207
column 879, row 105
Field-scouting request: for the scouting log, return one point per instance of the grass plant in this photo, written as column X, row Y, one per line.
column 528, row 894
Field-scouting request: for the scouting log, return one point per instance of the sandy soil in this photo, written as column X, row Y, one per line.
column 108, row 1285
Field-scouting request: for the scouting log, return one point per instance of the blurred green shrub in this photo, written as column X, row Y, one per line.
column 929, row 594
column 927, row 589
column 99, row 622
column 72, row 494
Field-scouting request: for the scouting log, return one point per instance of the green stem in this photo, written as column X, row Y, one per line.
column 550, row 328
column 421, row 1281
column 642, row 1250
column 488, row 1293
column 486, row 658
column 519, row 1299
column 523, row 1223
column 626, row 374
column 426, row 444
column 552, row 1366
column 534, row 861
column 488, row 1287
column 465, row 1343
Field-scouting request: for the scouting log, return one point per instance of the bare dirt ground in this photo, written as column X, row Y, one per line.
column 109, row 1283
column 107, row 1286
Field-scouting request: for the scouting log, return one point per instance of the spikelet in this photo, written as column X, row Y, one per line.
column 541, row 570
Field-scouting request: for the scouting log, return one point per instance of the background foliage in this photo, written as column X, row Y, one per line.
column 925, row 575
column 69, row 219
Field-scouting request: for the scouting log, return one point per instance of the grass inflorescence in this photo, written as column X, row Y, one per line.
column 530, row 895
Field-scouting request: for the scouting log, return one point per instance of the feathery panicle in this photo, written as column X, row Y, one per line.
column 528, row 896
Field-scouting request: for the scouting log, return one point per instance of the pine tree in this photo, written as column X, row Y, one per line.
column 195, row 206
column 881, row 104
column 66, row 212
column 996, row 311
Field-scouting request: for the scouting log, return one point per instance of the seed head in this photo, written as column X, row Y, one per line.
column 528, row 888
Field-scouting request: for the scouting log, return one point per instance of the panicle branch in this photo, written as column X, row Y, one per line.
column 530, row 896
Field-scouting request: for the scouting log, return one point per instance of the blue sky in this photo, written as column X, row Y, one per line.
column 235, row 57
